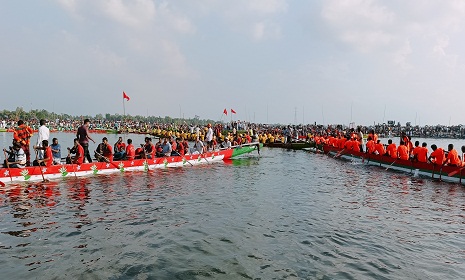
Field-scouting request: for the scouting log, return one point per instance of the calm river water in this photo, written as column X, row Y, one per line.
column 281, row 215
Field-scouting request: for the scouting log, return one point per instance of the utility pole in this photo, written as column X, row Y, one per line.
column 295, row 115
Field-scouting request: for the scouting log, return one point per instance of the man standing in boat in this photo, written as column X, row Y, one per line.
column 209, row 137
column 44, row 134
column 22, row 134
column 84, row 137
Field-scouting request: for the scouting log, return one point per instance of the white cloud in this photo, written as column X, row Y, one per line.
column 267, row 6
column 360, row 23
column 174, row 60
column 178, row 22
column 69, row 5
column 265, row 30
column 400, row 57
column 137, row 13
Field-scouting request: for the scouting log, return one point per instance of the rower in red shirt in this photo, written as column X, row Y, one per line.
column 48, row 157
column 130, row 151
column 185, row 145
column 179, row 147
column 107, row 149
column 79, row 150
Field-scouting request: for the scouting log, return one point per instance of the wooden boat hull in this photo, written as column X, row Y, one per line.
column 291, row 146
column 433, row 171
column 35, row 173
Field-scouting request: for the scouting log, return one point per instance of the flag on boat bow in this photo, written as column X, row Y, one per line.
column 232, row 111
column 225, row 111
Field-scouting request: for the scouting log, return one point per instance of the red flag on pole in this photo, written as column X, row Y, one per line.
column 225, row 111
column 125, row 96
column 232, row 111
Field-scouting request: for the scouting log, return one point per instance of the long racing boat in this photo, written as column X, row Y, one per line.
column 440, row 172
column 37, row 173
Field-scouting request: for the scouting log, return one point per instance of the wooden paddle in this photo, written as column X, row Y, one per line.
column 7, row 165
column 440, row 171
column 455, row 172
column 145, row 156
column 181, row 156
column 339, row 153
column 107, row 160
column 205, row 157
column 391, row 164
column 40, row 168
column 72, row 164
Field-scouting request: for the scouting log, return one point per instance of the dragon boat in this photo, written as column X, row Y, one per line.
column 446, row 173
column 42, row 173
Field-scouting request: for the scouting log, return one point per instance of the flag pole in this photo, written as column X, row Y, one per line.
column 124, row 110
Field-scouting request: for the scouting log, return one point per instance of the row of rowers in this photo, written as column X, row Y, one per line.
column 405, row 151
column 167, row 146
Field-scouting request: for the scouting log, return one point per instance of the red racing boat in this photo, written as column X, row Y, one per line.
column 446, row 173
column 37, row 173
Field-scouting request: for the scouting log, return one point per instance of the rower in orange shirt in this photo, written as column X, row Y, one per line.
column 402, row 151
column 373, row 135
column 407, row 142
column 420, row 153
column 348, row 145
column 437, row 156
column 379, row 147
column 452, row 157
column 341, row 142
column 423, row 153
column 391, row 149
column 356, row 145
column 370, row 145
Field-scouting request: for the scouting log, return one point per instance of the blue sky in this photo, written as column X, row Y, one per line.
column 272, row 61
